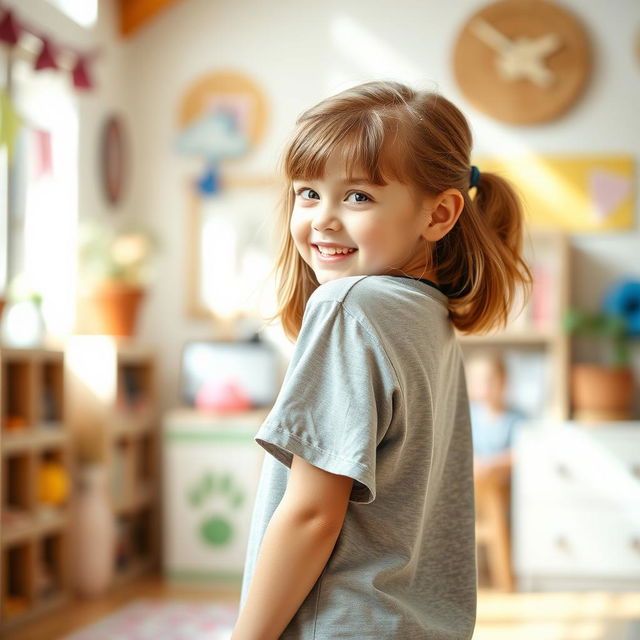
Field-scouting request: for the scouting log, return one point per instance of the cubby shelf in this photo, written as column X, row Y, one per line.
column 539, row 327
column 34, row 537
column 114, row 420
column 89, row 402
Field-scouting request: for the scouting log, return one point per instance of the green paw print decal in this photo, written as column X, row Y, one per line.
column 216, row 529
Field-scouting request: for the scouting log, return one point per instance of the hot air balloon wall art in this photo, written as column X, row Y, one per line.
column 222, row 119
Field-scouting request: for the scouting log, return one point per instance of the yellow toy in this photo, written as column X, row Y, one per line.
column 53, row 484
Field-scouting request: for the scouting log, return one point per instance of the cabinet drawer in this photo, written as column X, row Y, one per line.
column 577, row 466
column 577, row 541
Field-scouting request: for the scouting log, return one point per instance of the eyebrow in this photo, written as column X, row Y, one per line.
column 344, row 182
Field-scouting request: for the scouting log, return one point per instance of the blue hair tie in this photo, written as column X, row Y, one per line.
column 475, row 176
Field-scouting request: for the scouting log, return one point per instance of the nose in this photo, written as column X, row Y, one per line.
column 325, row 217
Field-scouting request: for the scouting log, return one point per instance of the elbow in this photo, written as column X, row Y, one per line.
column 319, row 522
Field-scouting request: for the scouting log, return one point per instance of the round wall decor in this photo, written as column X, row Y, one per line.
column 522, row 61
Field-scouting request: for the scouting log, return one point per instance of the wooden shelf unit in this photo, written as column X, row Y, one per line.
column 34, row 537
column 539, row 326
column 114, row 420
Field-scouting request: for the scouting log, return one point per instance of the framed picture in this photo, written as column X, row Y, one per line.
column 231, row 249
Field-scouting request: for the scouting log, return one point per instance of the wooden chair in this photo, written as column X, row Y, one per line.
column 493, row 531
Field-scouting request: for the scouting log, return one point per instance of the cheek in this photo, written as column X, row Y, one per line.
column 299, row 232
column 382, row 238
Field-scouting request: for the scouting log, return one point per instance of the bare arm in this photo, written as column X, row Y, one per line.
column 296, row 546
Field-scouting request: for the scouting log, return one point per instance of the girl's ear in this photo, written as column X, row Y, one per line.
column 446, row 208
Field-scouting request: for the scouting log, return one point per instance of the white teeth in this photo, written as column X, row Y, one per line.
column 329, row 251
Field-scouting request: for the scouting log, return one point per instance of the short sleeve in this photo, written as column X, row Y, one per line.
column 336, row 401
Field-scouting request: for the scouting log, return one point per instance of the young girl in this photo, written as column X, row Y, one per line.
column 363, row 525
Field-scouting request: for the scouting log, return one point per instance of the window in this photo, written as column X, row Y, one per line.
column 42, row 205
column 84, row 12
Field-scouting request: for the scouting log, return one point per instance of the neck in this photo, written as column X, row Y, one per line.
column 426, row 275
column 416, row 267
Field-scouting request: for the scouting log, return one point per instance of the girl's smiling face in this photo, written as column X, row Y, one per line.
column 347, row 228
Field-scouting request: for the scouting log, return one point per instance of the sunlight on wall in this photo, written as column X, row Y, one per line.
column 363, row 55
column 368, row 55
column 91, row 361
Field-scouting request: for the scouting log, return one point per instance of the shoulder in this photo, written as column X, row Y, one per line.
column 336, row 290
column 359, row 292
column 353, row 301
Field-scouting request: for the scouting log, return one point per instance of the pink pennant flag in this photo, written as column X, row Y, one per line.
column 43, row 164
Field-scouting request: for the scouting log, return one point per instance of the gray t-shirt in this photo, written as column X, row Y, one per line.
column 375, row 390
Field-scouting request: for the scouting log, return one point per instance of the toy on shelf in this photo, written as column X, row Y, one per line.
column 53, row 484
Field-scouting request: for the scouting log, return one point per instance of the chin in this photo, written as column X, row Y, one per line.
column 327, row 277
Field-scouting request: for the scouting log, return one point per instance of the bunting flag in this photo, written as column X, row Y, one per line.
column 81, row 79
column 11, row 30
column 46, row 59
column 9, row 123
column 43, row 164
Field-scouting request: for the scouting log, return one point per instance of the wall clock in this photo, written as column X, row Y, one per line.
column 522, row 61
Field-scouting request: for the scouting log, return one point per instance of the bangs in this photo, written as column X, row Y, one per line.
column 367, row 141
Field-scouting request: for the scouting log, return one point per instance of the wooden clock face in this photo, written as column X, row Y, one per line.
column 522, row 61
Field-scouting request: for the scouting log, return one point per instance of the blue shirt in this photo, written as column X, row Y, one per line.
column 491, row 433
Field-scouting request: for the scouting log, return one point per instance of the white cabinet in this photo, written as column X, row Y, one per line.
column 576, row 506
column 211, row 471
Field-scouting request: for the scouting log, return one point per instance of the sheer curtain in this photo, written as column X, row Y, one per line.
column 43, row 206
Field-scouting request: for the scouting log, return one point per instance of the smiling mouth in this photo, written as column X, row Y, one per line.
column 334, row 252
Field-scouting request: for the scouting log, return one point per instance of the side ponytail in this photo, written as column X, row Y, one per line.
column 480, row 260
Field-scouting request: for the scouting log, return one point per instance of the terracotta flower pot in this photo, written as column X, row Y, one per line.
column 116, row 308
column 601, row 393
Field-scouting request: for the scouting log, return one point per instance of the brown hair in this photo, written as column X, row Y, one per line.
column 419, row 138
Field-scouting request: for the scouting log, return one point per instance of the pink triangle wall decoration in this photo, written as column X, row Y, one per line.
column 608, row 190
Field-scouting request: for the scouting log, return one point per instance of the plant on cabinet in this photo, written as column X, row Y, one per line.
column 605, row 391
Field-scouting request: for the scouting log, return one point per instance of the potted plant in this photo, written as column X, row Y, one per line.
column 605, row 391
column 116, row 266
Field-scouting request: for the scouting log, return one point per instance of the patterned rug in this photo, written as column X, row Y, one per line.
column 148, row 619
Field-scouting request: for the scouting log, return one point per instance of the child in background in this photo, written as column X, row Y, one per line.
column 493, row 424
column 363, row 525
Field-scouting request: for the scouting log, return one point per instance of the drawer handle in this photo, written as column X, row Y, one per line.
column 635, row 470
column 562, row 543
column 635, row 544
column 563, row 471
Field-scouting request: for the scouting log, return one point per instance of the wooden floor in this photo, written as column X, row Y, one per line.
column 501, row 616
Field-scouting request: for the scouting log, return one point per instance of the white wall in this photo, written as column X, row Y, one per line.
column 300, row 52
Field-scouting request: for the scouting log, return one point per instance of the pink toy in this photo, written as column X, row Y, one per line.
column 225, row 396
